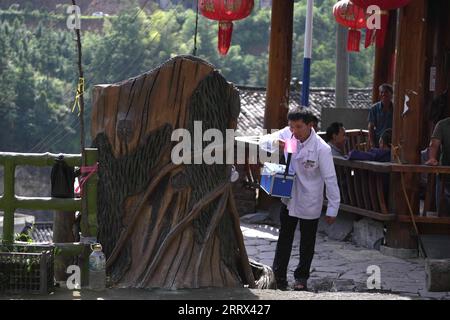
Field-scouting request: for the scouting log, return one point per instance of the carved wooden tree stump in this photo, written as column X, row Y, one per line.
column 165, row 225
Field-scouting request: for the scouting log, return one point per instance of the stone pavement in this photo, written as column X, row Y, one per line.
column 343, row 267
column 339, row 272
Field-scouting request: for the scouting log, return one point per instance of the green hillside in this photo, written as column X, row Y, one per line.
column 38, row 73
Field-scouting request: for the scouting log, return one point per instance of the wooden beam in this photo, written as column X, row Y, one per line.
column 420, row 168
column 280, row 56
column 384, row 65
column 432, row 220
column 438, row 58
column 409, row 80
column 279, row 74
column 363, row 212
column 407, row 127
column 38, row 159
column 365, row 165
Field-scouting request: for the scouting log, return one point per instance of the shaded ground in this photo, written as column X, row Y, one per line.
column 339, row 272
column 343, row 267
column 205, row 294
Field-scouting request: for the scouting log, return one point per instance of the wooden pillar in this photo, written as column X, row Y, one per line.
column 279, row 75
column 438, row 54
column 8, row 201
column 385, row 58
column 91, row 191
column 407, row 128
column 342, row 61
column 280, row 56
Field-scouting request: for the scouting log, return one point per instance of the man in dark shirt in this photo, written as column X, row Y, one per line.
column 440, row 139
column 381, row 154
column 380, row 115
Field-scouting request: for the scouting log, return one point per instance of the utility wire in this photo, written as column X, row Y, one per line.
column 56, row 138
column 195, row 32
column 45, row 141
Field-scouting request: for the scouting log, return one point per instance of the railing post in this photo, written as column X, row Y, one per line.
column 9, row 201
column 91, row 158
column 91, row 193
column 89, row 212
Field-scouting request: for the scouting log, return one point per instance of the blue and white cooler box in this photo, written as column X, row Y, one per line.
column 274, row 182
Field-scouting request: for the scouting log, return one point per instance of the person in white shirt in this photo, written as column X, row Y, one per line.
column 313, row 166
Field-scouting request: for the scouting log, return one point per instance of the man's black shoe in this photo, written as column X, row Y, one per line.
column 282, row 285
column 300, row 285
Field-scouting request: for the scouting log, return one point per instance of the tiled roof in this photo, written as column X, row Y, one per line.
column 253, row 99
column 42, row 232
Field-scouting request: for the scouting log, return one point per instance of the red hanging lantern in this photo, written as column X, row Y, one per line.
column 225, row 11
column 353, row 17
column 379, row 35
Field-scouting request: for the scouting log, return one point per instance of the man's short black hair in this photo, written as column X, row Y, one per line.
column 386, row 86
column 333, row 128
column 301, row 114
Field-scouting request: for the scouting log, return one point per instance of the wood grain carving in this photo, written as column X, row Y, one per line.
column 165, row 225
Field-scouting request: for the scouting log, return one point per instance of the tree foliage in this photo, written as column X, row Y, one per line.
column 38, row 73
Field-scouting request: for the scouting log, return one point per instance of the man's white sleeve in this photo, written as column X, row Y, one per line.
column 269, row 142
column 328, row 174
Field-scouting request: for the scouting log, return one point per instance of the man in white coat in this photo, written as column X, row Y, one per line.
column 313, row 166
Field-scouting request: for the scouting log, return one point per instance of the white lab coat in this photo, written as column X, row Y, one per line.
column 313, row 165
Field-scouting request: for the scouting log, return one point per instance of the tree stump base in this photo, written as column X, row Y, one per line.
column 166, row 225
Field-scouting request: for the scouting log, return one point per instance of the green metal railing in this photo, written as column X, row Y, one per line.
column 87, row 204
column 9, row 202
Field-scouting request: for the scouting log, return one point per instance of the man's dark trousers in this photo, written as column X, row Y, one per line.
column 308, row 230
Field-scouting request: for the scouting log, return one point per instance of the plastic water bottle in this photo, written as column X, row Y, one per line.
column 97, row 268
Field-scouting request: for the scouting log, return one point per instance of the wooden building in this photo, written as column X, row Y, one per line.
column 416, row 60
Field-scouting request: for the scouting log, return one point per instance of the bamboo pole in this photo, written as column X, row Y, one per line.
column 8, row 202
column 38, row 159
column 81, row 92
column 91, row 193
column 46, row 203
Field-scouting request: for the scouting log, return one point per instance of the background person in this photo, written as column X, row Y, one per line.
column 335, row 136
column 380, row 115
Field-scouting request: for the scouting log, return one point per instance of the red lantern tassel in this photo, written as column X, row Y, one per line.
column 225, row 33
column 370, row 37
column 354, row 37
column 381, row 33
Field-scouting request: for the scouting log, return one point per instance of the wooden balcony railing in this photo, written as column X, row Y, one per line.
column 372, row 189
column 364, row 187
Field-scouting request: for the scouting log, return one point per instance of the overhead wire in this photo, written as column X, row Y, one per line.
column 54, row 139
column 51, row 138
column 40, row 144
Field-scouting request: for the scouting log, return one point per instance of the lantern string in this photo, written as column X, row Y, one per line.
column 195, row 33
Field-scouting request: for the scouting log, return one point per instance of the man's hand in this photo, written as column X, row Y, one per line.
column 433, row 150
column 432, row 162
column 330, row 220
